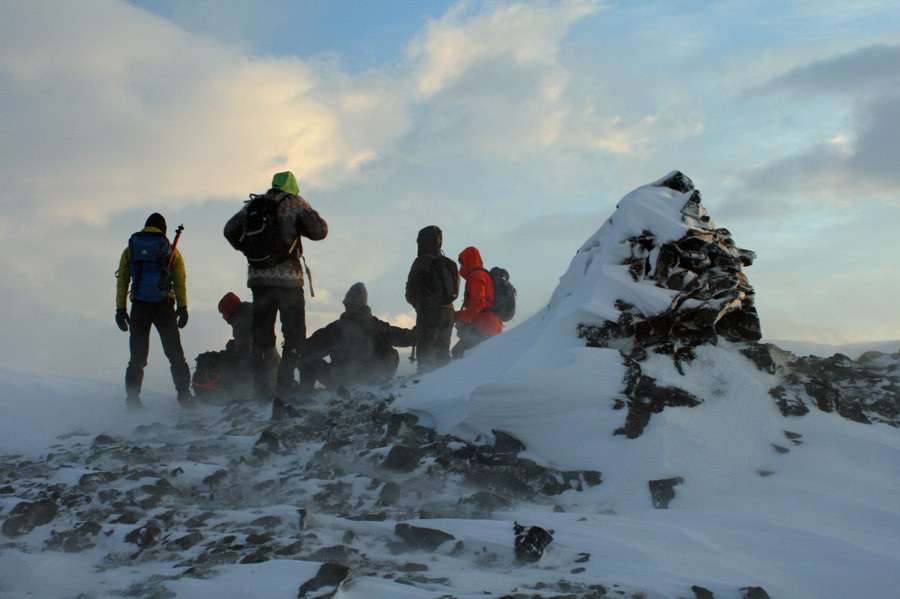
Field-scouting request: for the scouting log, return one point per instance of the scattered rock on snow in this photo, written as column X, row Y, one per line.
column 27, row 515
column 663, row 491
column 418, row 537
column 329, row 575
column 530, row 542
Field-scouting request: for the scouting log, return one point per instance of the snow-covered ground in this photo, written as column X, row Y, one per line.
column 804, row 507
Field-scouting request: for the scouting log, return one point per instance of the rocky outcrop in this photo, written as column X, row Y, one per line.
column 711, row 296
column 865, row 390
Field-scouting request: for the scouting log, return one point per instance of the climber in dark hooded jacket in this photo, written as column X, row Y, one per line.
column 431, row 287
column 475, row 322
column 361, row 347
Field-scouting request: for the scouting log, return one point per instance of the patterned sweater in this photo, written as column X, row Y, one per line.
column 296, row 219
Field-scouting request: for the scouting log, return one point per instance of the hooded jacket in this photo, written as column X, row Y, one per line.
column 421, row 281
column 479, row 294
column 361, row 346
column 123, row 275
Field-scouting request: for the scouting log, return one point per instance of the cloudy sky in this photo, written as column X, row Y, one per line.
column 514, row 126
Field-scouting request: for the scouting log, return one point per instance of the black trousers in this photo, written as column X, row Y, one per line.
column 144, row 316
column 268, row 303
column 434, row 331
column 469, row 337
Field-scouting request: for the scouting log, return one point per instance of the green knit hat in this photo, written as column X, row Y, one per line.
column 286, row 182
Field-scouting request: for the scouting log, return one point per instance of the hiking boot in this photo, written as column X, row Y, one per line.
column 133, row 403
column 187, row 400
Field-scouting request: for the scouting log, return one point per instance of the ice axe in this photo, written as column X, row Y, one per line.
column 164, row 280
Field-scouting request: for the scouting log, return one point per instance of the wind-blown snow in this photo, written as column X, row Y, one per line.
column 809, row 515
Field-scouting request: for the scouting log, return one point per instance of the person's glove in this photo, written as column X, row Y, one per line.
column 182, row 316
column 122, row 319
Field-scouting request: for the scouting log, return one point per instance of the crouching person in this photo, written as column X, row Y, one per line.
column 476, row 321
column 360, row 347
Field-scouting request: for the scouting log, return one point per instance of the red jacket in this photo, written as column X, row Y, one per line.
column 479, row 295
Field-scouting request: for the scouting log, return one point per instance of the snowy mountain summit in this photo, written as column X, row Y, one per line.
column 653, row 317
column 684, row 283
column 632, row 440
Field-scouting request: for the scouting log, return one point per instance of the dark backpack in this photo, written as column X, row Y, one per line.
column 151, row 279
column 504, row 305
column 446, row 280
column 261, row 241
column 218, row 373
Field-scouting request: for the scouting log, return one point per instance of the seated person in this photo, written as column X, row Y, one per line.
column 360, row 346
column 240, row 316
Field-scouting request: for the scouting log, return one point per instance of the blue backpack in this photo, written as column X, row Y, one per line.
column 151, row 279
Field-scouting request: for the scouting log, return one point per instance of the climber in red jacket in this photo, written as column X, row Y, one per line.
column 475, row 322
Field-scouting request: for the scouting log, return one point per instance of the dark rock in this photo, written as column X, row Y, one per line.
column 506, row 443
column 282, row 410
column 292, row 549
column 678, row 181
column 398, row 422
column 402, row 459
column 789, row 404
column 94, row 480
column 702, row 593
column 390, row 494
column 7, row 490
column 199, row 520
column 254, row 558
column 145, row 536
column 76, row 540
column 270, row 440
column 647, row 398
column 259, row 538
column 760, row 355
column 216, row 478
column 530, row 542
column 412, row 567
column 186, row 542
column 754, row 593
column 663, row 491
column 267, row 522
column 102, row 441
column 128, row 517
column 329, row 575
column 795, row 438
column 418, row 537
column 160, row 487
column 336, row 554
column 27, row 516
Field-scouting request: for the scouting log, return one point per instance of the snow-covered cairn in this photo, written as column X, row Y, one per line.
column 702, row 293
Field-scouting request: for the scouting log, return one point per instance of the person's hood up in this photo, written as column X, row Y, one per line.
column 470, row 259
column 286, row 182
column 430, row 239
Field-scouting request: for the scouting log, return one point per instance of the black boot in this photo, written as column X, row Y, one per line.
column 285, row 383
column 262, row 381
column 181, row 376
column 134, row 378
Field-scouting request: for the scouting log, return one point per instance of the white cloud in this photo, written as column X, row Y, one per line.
column 526, row 33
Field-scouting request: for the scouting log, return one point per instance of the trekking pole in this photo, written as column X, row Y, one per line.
column 312, row 292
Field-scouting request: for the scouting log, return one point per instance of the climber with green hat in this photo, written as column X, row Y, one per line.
column 267, row 230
